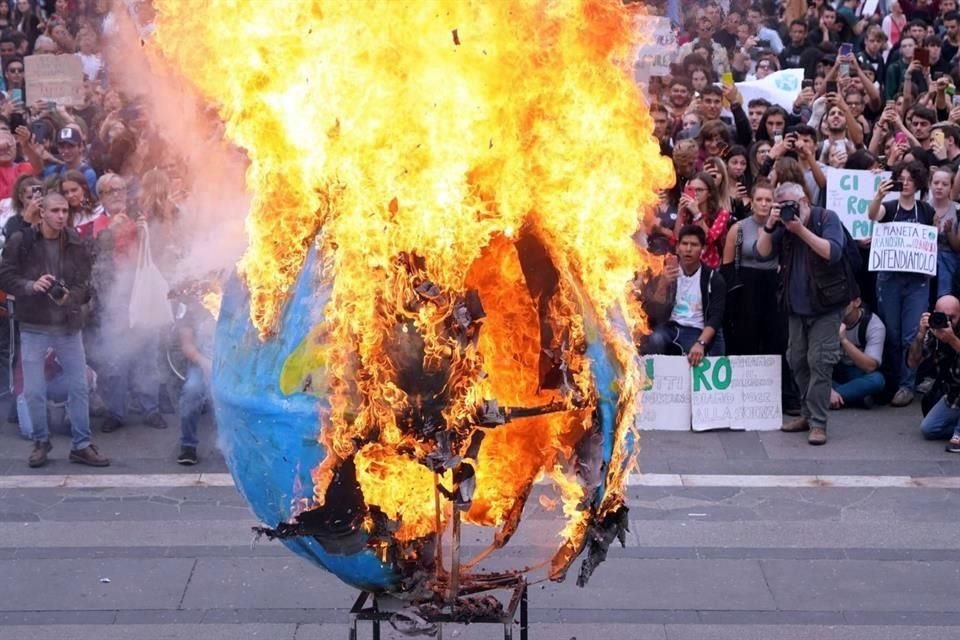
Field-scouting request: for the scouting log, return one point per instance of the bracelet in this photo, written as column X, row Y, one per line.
column 769, row 230
column 701, row 343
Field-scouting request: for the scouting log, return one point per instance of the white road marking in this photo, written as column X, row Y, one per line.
column 173, row 480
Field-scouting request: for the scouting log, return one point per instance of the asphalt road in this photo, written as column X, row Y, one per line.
column 734, row 536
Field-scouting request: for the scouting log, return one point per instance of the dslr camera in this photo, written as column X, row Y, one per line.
column 58, row 291
column 789, row 211
column 939, row 320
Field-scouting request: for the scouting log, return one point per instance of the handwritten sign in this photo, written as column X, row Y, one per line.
column 664, row 402
column 52, row 78
column 737, row 392
column 659, row 50
column 849, row 193
column 904, row 246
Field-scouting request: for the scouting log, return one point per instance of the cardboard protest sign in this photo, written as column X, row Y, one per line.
column 664, row 403
column 737, row 392
column 849, row 193
column 53, row 78
column 904, row 246
column 780, row 88
column 660, row 48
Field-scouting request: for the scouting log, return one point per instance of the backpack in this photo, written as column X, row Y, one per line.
column 833, row 285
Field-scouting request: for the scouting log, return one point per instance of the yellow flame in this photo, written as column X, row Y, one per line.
column 443, row 128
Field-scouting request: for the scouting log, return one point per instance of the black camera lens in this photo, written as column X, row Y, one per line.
column 789, row 211
column 939, row 320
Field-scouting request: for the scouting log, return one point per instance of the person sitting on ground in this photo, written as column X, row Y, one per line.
column 857, row 378
column 686, row 303
column 937, row 344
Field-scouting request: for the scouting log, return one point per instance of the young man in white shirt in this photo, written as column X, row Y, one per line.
column 686, row 303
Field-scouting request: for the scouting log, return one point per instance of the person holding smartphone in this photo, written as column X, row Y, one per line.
column 937, row 345
column 902, row 297
column 700, row 206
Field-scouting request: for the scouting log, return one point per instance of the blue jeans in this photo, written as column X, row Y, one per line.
column 56, row 392
column 192, row 398
column 853, row 384
column 131, row 364
column 942, row 422
column 947, row 262
column 73, row 360
column 901, row 299
column 672, row 339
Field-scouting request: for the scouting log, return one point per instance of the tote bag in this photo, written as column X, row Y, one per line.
column 149, row 306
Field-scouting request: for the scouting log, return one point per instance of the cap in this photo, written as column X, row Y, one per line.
column 69, row 135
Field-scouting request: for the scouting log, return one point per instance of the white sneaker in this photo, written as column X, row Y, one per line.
column 902, row 398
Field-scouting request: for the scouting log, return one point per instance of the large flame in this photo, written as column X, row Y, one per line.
column 414, row 141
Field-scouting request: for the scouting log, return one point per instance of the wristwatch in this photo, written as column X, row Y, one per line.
column 701, row 343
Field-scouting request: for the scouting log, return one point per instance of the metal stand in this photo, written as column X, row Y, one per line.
column 373, row 613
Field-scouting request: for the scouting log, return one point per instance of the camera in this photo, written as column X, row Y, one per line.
column 939, row 320
column 58, row 291
column 789, row 211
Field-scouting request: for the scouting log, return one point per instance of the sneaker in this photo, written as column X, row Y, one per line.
column 111, row 424
column 38, row 457
column 818, row 436
column 924, row 386
column 89, row 456
column 795, row 426
column 902, row 398
column 155, row 421
column 188, row 456
column 954, row 445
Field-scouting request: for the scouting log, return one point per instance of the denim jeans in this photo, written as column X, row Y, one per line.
column 673, row 339
column 947, row 262
column 131, row 363
column 192, row 398
column 70, row 353
column 853, row 384
column 56, row 392
column 942, row 423
column 901, row 300
column 813, row 351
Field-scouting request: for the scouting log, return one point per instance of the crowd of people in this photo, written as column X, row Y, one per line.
column 86, row 192
column 754, row 261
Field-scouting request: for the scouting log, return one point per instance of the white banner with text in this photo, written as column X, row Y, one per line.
column 904, row 246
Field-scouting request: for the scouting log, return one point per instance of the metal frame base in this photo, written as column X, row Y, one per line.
column 362, row 612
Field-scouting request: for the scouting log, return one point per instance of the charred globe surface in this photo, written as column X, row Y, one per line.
column 433, row 321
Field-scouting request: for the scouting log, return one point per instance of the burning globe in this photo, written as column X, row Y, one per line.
column 432, row 327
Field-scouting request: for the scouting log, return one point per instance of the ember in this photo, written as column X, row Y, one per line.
column 435, row 311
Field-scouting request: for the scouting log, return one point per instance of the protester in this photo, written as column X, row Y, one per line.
column 948, row 237
column 857, row 379
column 49, row 269
column 700, row 205
column 686, row 302
column 902, row 297
column 809, row 242
column 86, row 214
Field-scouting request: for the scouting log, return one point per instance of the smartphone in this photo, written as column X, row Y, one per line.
column 937, row 136
column 900, row 137
column 16, row 95
column 956, row 100
column 922, row 55
column 727, row 78
column 832, row 86
column 777, row 136
column 689, row 192
column 897, row 185
column 806, row 84
column 17, row 120
column 846, row 49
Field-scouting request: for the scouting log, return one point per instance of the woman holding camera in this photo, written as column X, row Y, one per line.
column 902, row 297
column 700, row 205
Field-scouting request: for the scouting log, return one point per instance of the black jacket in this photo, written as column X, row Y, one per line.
column 713, row 290
column 24, row 261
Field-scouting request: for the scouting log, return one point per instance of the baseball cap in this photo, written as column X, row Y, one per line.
column 69, row 135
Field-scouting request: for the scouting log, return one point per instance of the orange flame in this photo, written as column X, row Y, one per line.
column 444, row 129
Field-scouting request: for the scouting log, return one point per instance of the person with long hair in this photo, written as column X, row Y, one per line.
column 757, row 155
column 945, row 219
column 752, row 283
column 902, row 297
column 86, row 213
column 700, row 205
column 26, row 21
column 156, row 206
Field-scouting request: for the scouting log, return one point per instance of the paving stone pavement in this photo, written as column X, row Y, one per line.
column 763, row 562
